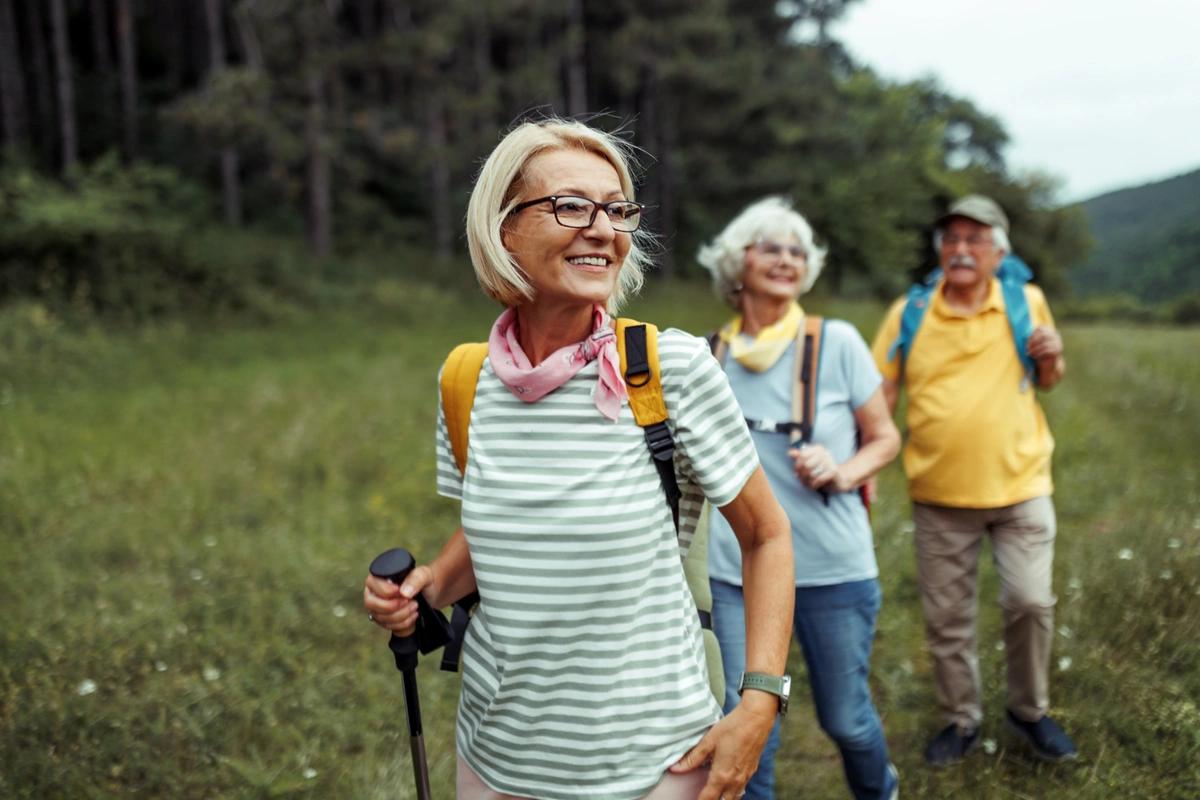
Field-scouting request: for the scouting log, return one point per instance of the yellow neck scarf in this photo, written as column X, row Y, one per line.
column 761, row 353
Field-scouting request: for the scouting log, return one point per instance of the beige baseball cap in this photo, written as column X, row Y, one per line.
column 983, row 210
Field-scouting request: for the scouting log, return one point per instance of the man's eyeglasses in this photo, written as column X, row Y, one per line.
column 974, row 240
column 774, row 250
column 578, row 212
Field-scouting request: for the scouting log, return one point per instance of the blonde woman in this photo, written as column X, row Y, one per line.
column 761, row 264
column 584, row 671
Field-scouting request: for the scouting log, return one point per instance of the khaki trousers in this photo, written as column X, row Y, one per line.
column 672, row 787
column 948, row 541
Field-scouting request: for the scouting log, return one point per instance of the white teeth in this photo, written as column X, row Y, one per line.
column 591, row 261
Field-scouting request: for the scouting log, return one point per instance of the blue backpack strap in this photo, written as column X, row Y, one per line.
column 1014, row 274
column 910, row 319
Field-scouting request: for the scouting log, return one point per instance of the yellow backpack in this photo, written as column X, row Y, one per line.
column 637, row 344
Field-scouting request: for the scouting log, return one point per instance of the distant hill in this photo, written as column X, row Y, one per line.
column 1147, row 241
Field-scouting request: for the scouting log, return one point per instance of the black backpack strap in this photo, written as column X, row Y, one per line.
column 658, row 435
column 662, row 450
column 460, row 617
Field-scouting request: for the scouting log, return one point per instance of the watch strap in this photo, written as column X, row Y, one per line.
column 780, row 686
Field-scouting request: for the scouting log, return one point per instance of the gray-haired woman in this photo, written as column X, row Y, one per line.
column 761, row 263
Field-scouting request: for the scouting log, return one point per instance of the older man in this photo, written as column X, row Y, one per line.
column 970, row 348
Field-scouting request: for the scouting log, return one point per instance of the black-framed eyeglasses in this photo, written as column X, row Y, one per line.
column 579, row 212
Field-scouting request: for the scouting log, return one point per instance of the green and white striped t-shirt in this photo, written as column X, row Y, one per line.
column 583, row 669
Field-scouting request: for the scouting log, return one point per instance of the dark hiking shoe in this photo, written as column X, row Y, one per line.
column 1048, row 740
column 950, row 745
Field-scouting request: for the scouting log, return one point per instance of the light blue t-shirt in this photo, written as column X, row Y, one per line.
column 832, row 543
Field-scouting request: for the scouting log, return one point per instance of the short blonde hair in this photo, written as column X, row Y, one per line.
column 725, row 255
column 497, row 190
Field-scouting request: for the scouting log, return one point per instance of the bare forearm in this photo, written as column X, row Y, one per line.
column 454, row 577
column 891, row 394
column 880, row 440
column 870, row 458
column 769, row 579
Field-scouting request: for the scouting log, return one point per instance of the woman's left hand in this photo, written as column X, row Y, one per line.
column 816, row 468
column 732, row 748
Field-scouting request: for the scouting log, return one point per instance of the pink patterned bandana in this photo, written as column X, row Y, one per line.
column 531, row 383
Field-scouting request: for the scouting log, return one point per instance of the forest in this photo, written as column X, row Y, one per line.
column 1147, row 242
column 176, row 155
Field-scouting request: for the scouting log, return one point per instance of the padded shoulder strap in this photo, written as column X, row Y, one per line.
column 637, row 344
column 1014, row 274
column 460, row 375
column 910, row 319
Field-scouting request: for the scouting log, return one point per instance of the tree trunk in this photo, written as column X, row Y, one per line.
column 12, row 82
column 167, row 18
column 231, row 190
column 668, row 180
column 248, row 37
column 439, row 174
column 320, row 223
column 252, row 54
column 101, row 44
column 65, row 85
column 481, row 46
column 43, row 132
column 127, row 50
column 576, row 66
column 653, row 137
column 367, row 23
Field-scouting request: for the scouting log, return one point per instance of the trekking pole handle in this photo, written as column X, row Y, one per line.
column 432, row 630
column 395, row 565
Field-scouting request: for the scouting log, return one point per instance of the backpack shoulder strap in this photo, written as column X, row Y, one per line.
column 460, row 376
column 804, row 393
column 637, row 345
column 1014, row 274
column 910, row 319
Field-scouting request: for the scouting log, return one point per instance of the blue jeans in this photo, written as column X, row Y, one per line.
column 835, row 626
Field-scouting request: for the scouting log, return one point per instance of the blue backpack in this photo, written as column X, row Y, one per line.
column 1013, row 274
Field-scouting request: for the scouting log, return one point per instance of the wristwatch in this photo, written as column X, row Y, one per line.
column 780, row 686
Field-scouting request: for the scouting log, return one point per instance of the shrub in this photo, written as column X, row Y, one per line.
column 134, row 242
column 1107, row 308
column 1186, row 310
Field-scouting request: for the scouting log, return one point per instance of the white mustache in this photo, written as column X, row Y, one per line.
column 962, row 261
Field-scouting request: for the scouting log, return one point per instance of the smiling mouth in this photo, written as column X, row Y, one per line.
column 588, row 261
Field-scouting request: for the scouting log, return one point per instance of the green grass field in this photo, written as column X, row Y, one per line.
column 186, row 516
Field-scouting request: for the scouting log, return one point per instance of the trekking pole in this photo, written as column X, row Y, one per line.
column 431, row 633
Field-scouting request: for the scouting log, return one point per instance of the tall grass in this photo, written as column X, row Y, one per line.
column 186, row 516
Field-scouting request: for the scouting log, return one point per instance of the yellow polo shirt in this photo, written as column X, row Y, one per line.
column 977, row 437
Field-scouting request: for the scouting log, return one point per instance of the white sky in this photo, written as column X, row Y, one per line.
column 1101, row 94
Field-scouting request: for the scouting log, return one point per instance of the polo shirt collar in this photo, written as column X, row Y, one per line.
column 993, row 302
